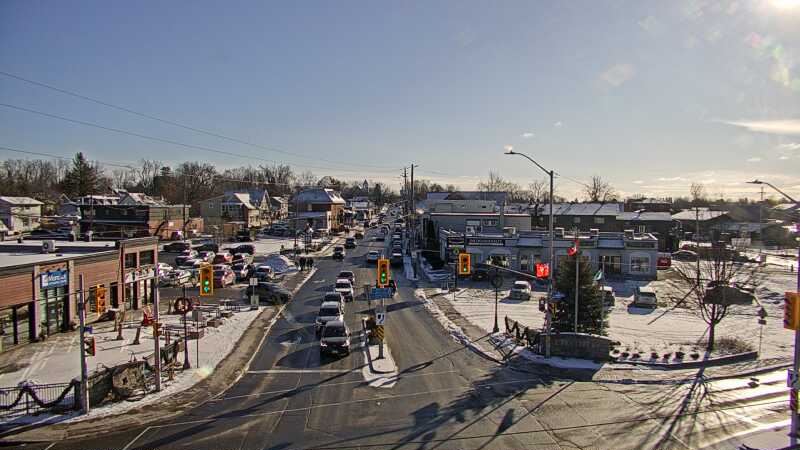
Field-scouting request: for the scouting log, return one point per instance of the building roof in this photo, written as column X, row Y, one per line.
column 645, row 216
column 20, row 201
column 787, row 206
column 497, row 197
column 278, row 200
column 583, row 209
column 140, row 198
column 320, row 195
column 701, row 214
column 13, row 253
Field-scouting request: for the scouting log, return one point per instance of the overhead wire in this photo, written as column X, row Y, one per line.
column 170, row 141
column 182, row 125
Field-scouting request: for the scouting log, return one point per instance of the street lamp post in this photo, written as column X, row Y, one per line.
column 796, row 366
column 550, row 286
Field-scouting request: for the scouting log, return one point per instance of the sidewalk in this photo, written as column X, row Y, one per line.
column 190, row 389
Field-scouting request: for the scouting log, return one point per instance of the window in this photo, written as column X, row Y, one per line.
column 640, row 264
column 147, row 257
column 599, row 220
column 130, row 261
column 490, row 222
column 576, row 220
column 210, row 205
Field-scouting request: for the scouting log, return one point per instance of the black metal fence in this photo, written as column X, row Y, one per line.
column 34, row 399
column 522, row 334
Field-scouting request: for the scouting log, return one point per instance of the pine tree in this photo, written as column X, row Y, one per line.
column 590, row 299
column 82, row 178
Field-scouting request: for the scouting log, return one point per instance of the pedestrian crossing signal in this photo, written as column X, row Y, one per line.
column 206, row 280
column 89, row 346
column 464, row 263
column 383, row 273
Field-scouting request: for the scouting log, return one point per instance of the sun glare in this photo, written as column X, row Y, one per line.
column 785, row 4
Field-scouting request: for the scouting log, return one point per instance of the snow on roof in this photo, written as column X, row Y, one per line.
column 496, row 196
column 320, row 195
column 584, row 209
column 700, row 214
column 20, row 201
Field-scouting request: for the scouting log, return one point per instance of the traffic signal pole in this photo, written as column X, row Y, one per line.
column 156, row 332
column 84, row 370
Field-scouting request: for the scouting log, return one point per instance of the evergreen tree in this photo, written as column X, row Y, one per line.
column 590, row 299
column 82, row 178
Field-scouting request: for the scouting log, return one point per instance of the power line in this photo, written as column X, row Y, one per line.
column 181, row 125
column 167, row 141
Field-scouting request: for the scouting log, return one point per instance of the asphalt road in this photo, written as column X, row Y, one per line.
column 446, row 396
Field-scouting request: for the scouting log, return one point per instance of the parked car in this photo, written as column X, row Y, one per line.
column 175, row 278
column 379, row 238
column 664, row 261
column 242, row 271
column 271, row 292
column 207, row 247
column 645, row 296
column 373, row 256
column 48, row 234
column 177, row 247
column 223, row 276
column 328, row 311
column 397, row 249
column 521, row 290
column 184, row 261
column 608, row 297
column 338, row 252
column 335, row 338
column 223, row 258
column 348, row 274
column 240, row 258
column 207, row 256
column 164, row 268
column 350, row 242
column 190, row 253
column 250, row 249
column 344, row 287
column 684, row 255
column 333, row 296
column 264, row 273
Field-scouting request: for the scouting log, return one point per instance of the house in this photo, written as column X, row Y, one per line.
column 362, row 207
column 649, row 204
column 138, row 198
column 132, row 220
column 499, row 199
column 244, row 209
column 278, row 208
column 321, row 208
column 583, row 216
column 20, row 214
column 626, row 255
column 710, row 223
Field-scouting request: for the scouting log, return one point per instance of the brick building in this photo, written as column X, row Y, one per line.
column 41, row 281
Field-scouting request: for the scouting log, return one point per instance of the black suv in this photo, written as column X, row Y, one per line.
column 243, row 248
column 271, row 292
column 338, row 252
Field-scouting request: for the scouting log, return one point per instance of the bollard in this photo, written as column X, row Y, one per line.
column 138, row 332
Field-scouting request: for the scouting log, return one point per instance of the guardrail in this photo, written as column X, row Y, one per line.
column 29, row 398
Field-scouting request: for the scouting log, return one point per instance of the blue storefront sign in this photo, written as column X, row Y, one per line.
column 55, row 278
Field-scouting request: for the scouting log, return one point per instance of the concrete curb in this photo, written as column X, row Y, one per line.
column 147, row 414
column 369, row 356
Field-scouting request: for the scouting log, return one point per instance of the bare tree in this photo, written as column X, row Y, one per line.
column 599, row 190
column 697, row 192
column 496, row 183
column 713, row 284
column 306, row 178
column 539, row 191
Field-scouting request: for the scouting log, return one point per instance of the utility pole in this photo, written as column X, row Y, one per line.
column 84, row 369
column 184, row 206
column 413, row 209
column 577, row 276
column 157, row 328
column 405, row 186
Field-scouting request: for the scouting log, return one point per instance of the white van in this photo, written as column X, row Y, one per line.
column 645, row 296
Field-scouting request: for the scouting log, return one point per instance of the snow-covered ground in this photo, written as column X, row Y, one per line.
column 644, row 330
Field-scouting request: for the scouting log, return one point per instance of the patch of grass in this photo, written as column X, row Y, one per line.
column 729, row 345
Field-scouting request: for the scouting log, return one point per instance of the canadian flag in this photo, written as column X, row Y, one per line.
column 572, row 251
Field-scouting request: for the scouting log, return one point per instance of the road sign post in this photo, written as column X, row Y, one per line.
column 253, row 296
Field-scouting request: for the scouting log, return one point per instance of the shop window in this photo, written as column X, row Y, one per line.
column 130, row 261
column 640, row 264
column 147, row 257
column 599, row 220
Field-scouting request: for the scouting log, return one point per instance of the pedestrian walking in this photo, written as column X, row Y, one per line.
column 300, row 261
column 310, row 263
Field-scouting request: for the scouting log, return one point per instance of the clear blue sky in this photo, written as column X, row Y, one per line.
column 650, row 95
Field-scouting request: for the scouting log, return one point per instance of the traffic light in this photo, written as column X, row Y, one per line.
column 791, row 311
column 100, row 299
column 464, row 264
column 206, row 280
column 542, row 270
column 383, row 272
column 89, row 346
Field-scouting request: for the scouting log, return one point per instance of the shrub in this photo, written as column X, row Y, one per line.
column 679, row 355
column 624, row 354
column 653, row 355
column 635, row 356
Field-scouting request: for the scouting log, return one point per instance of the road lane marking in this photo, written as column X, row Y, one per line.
column 341, row 383
column 274, row 371
column 50, row 446
column 138, row 436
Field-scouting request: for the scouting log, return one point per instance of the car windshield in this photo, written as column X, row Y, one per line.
column 342, row 285
column 334, row 332
column 328, row 312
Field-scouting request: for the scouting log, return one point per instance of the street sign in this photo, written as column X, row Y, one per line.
column 87, row 329
column 762, row 322
column 380, row 318
column 792, row 379
column 381, row 293
column 497, row 281
column 378, row 331
column 253, row 281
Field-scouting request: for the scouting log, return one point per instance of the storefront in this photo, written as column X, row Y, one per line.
column 53, row 298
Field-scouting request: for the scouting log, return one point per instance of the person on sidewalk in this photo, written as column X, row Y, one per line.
column 310, row 262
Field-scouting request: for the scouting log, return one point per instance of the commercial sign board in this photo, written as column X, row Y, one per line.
column 140, row 274
column 486, row 242
column 54, row 278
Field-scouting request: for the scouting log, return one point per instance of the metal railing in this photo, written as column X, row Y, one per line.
column 28, row 399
